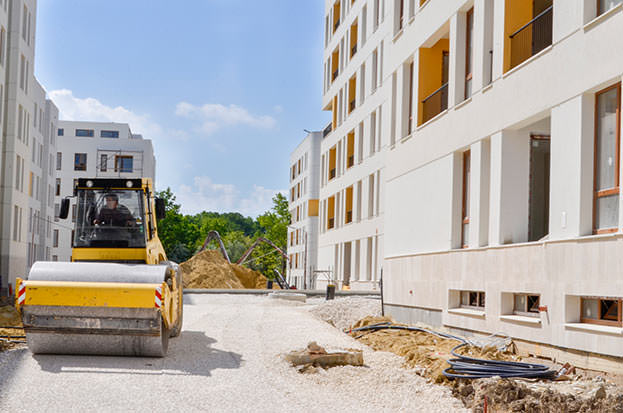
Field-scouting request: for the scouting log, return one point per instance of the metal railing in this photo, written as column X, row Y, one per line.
column 336, row 25
column 351, row 106
column 490, row 67
column 327, row 130
column 351, row 161
column 331, row 223
column 331, row 173
column 353, row 50
column 532, row 37
column 435, row 103
column 349, row 217
column 335, row 74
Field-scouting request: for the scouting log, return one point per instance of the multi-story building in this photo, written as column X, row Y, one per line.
column 94, row 150
column 492, row 129
column 502, row 178
column 353, row 150
column 26, row 118
column 303, row 204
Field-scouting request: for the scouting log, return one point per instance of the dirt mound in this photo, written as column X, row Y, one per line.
column 423, row 351
column 504, row 395
column 209, row 269
column 248, row 277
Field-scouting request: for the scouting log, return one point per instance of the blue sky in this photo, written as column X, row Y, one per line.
column 224, row 88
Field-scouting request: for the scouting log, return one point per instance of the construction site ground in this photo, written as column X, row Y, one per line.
column 228, row 358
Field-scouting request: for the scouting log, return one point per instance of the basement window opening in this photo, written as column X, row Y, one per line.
column 601, row 310
column 474, row 300
column 526, row 305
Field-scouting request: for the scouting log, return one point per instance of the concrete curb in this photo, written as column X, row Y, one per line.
column 309, row 293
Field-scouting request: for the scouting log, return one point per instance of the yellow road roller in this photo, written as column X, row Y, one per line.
column 119, row 295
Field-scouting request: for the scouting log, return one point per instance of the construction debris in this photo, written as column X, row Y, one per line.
column 208, row 269
column 507, row 395
column 316, row 356
column 11, row 329
column 342, row 313
column 428, row 353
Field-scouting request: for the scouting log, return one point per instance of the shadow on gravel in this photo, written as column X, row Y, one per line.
column 189, row 354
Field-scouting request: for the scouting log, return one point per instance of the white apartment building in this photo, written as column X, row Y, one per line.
column 502, row 178
column 492, row 129
column 27, row 119
column 94, row 150
column 353, row 151
column 303, row 205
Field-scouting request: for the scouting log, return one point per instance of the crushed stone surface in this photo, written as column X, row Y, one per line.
column 209, row 269
column 229, row 358
column 343, row 312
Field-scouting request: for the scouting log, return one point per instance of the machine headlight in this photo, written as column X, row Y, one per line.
column 129, row 184
column 89, row 184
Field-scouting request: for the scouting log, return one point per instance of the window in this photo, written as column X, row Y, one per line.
column 22, row 68
column 59, row 160
column 104, row 162
column 80, row 162
column 109, row 134
column 332, row 163
column 58, row 186
column 331, row 212
column 473, row 299
column 123, row 163
column 55, row 239
column 410, row 99
column 15, row 223
column 465, row 208
column 348, row 218
column 54, row 257
column 601, row 310
column 607, row 144
column 350, row 150
column 61, row 132
column 526, row 305
column 2, row 45
column 84, row 133
column 605, row 5
column 468, row 52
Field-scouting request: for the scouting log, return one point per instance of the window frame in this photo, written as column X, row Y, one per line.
column 119, row 163
column 480, row 298
column 526, row 312
column 599, row 321
column 616, row 189
column 90, row 133
column 77, row 165
column 598, row 12
column 465, row 200
column 112, row 134
column 469, row 46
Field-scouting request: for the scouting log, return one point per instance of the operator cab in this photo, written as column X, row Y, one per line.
column 110, row 213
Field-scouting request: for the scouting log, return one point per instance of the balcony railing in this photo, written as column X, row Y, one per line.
column 532, row 37
column 331, row 173
column 337, row 72
column 435, row 103
column 331, row 223
column 353, row 50
column 349, row 217
column 351, row 161
column 336, row 25
column 351, row 105
column 327, row 130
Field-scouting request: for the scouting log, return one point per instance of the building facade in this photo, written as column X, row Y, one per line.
column 498, row 130
column 354, row 146
column 303, row 205
column 94, row 150
column 27, row 119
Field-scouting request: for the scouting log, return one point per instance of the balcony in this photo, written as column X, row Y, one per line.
column 435, row 103
column 326, row 131
column 531, row 38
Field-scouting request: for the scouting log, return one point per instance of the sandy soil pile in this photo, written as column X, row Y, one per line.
column 209, row 269
column 9, row 318
column 504, row 395
column 422, row 350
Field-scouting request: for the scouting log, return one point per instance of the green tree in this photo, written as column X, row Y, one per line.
column 274, row 227
column 177, row 232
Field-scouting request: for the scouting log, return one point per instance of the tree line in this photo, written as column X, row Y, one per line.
column 183, row 235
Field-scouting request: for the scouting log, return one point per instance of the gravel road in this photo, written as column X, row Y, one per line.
column 227, row 359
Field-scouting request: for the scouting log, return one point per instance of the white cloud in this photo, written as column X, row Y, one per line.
column 207, row 195
column 91, row 109
column 214, row 116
